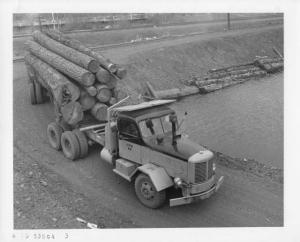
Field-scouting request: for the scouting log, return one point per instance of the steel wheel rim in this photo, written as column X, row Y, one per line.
column 147, row 190
column 67, row 145
column 53, row 135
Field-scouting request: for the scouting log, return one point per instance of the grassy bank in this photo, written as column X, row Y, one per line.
column 168, row 67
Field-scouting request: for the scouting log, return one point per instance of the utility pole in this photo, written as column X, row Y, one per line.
column 228, row 21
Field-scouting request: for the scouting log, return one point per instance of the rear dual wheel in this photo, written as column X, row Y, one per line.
column 74, row 144
column 83, row 144
column 32, row 93
column 36, row 92
column 54, row 132
column 70, row 145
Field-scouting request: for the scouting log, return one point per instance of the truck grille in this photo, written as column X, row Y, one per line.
column 203, row 171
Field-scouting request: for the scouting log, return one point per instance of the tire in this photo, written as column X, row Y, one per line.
column 146, row 192
column 83, row 143
column 32, row 94
column 38, row 93
column 44, row 94
column 70, row 145
column 54, row 132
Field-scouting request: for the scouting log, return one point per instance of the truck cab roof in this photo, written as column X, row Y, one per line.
column 145, row 110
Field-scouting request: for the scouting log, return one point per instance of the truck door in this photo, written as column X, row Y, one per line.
column 129, row 140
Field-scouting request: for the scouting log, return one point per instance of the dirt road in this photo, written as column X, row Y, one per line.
column 59, row 190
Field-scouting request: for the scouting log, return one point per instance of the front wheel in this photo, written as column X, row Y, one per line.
column 147, row 194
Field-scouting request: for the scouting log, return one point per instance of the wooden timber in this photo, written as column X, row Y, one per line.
column 68, row 53
column 79, row 74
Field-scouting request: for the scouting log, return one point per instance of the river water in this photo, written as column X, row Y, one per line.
column 244, row 121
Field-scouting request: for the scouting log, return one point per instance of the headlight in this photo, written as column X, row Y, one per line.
column 178, row 181
column 214, row 166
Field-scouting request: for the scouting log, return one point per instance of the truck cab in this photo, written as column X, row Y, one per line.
column 143, row 143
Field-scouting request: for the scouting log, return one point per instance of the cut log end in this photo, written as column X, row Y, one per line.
column 103, row 76
column 112, row 101
column 93, row 66
column 91, row 90
column 104, row 93
column 88, row 79
column 99, row 111
column 86, row 101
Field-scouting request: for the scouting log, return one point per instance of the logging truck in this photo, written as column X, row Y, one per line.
column 143, row 145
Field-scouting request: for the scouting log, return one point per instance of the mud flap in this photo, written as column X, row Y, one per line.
column 159, row 177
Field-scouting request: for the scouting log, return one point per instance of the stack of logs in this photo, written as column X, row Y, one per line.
column 220, row 78
column 81, row 82
column 216, row 79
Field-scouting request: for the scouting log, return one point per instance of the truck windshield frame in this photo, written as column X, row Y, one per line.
column 161, row 125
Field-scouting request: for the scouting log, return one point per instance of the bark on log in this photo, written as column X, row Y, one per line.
column 72, row 113
column 61, row 88
column 68, row 53
column 273, row 67
column 169, row 93
column 268, row 60
column 104, row 93
column 188, row 91
column 77, row 45
column 232, row 78
column 86, row 101
column 230, row 68
column 79, row 74
column 175, row 93
column 99, row 111
column 212, row 87
column 231, row 73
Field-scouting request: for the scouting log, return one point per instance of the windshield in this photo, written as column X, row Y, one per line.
column 159, row 125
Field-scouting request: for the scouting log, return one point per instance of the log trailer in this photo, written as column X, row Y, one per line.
column 142, row 144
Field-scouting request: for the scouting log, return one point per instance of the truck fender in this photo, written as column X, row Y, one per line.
column 159, row 177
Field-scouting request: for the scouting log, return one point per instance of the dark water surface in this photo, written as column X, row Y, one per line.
column 244, row 121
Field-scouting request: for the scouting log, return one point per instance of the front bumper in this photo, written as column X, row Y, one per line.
column 196, row 197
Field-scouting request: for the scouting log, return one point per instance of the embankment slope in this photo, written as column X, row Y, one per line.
column 168, row 66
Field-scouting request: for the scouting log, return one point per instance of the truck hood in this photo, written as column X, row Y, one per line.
column 184, row 148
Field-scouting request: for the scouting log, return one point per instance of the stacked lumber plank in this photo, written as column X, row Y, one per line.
column 80, row 81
